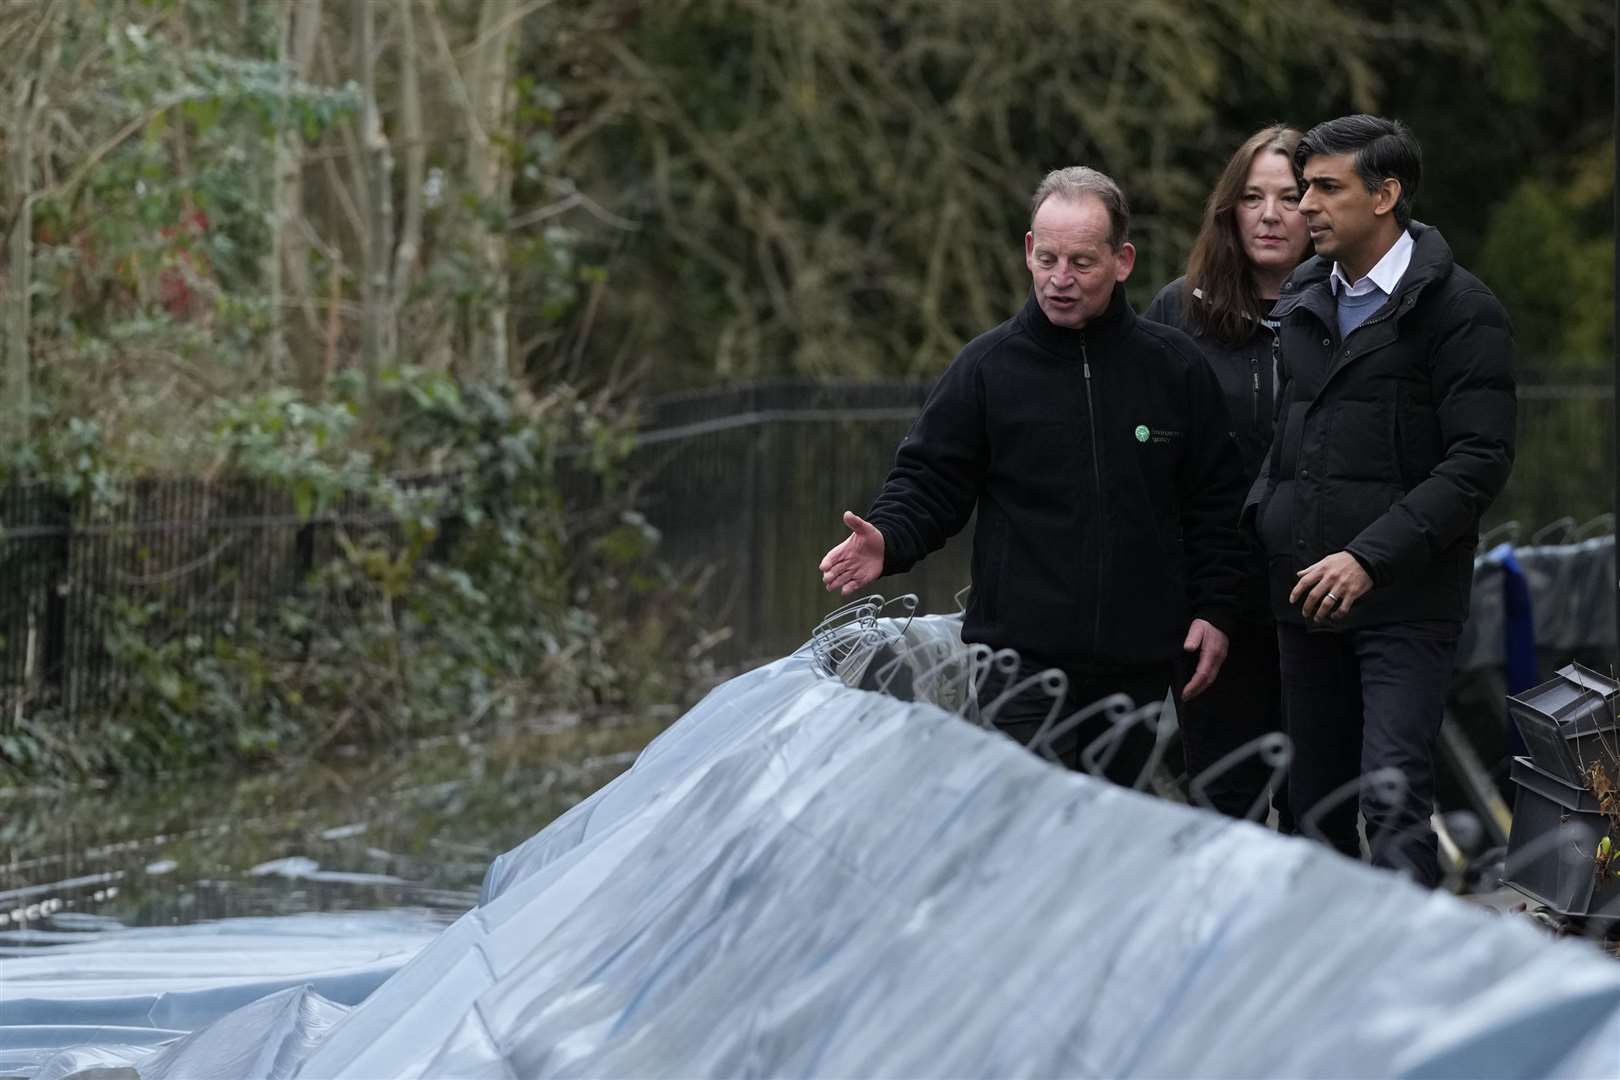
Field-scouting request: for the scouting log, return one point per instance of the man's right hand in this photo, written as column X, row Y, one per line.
column 858, row 561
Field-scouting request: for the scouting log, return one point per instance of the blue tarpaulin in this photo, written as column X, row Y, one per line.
column 801, row 878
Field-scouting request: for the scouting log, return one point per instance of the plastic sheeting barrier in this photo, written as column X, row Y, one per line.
column 800, row 878
column 1571, row 593
column 117, row 994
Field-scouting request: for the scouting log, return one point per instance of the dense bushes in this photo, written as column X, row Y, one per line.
column 483, row 563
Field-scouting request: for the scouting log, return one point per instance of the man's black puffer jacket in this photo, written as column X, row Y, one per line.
column 1392, row 443
column 1107, row 488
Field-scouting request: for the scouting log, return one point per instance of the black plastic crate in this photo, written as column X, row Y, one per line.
column 1560, row 871
column 1568, row 723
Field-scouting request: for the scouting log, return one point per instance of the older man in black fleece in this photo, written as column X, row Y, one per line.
column 1095, row 448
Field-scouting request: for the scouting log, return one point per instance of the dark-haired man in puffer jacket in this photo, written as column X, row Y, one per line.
column 1395, row 433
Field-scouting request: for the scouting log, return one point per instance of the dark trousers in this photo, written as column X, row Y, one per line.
column 1243, row 703
column 1127, row 757
column 1359, row 701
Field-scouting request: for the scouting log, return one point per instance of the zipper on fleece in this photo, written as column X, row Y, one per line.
column 1276, row 370
column 1096, row 472
column 1254, row 392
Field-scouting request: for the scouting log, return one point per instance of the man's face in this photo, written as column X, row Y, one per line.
column 1342, row 215
column 1073, row 265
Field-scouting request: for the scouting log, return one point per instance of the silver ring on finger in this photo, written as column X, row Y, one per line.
column 1331, row 597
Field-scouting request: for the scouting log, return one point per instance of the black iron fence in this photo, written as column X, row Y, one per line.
column 752, row 480
column 745, row 484
column 159, row 558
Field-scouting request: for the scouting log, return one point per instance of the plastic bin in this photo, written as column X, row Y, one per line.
column 1569, row 722
column 1560, row 874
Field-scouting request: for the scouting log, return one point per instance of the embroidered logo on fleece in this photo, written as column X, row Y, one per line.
column 1158, row 436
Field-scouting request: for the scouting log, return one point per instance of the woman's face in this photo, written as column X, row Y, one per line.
column 1268, row 219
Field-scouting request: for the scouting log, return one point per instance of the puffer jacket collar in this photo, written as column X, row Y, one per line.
column 1308, row 286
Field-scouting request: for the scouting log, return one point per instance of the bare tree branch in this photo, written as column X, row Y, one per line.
column 410, row 114
column 511, row 19
column 574, row 199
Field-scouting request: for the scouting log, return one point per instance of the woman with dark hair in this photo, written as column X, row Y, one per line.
column 1252, row 237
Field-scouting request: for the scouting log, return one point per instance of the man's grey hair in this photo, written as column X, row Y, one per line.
column 1078, row 181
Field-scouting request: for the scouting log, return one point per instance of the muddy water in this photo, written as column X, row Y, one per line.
column 410, row 829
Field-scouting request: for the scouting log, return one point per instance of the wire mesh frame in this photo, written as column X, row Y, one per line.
column 168, row 559
column 849, row 643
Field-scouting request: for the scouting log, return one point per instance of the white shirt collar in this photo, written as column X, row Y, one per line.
column 1384, row 277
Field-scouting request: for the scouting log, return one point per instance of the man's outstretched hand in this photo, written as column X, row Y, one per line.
column 858, row 561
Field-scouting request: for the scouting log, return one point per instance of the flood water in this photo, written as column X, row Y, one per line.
column 410, row 830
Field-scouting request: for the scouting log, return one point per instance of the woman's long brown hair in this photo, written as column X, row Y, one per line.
column 1228, row 304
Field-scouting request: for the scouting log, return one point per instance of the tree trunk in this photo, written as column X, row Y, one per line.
column 285, row 155
column 30, row 90
column 287, row 269
column 489, row 176
column 18, row 397
column 377, row 336
column 410, row 124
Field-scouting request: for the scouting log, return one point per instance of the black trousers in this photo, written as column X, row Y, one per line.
column 1242, row 704
column 1127, row 751
column 1358, row 701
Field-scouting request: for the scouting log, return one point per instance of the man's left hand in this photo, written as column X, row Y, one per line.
column 1331, row 587
column 1210, row 644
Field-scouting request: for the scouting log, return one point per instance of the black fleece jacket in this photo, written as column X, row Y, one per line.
column 1106, row 483
column 1392, row 442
